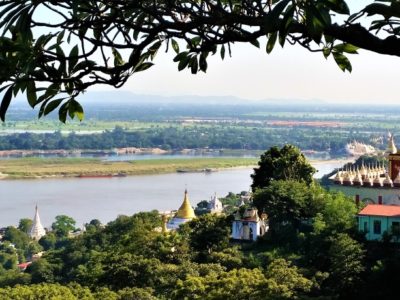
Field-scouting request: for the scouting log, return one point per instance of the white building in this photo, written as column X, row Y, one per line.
column 215, row 205
column 37, row 231
column 249, row 226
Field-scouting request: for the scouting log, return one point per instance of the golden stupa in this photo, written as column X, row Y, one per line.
column 186, row 210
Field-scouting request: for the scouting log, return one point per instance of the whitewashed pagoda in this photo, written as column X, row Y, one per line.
column 215, row 205
column 184, row 214
column 37, row 231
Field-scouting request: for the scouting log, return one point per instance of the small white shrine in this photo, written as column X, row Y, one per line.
column 37, row 231
column 215, row 205
column 249, row 226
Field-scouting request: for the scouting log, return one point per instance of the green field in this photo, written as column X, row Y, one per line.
column 70, row 167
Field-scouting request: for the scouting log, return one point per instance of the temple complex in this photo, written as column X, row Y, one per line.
column 378, row 186
column 37, row 231
column 375, row 184
column 184, row 214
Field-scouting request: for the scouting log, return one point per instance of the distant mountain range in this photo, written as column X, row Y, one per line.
column 123, row 98
column 126, row 97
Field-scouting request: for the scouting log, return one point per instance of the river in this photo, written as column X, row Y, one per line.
column 85, row 199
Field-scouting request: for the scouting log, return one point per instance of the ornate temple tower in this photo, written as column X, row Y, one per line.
column 394, row 158
column 37, row 230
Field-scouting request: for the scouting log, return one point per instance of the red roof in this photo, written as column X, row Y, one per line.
column 380, row 210
column 24, row 265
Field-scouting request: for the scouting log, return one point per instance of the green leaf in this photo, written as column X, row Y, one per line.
column 194, row 65
column 73, row 58
column 326, row 51
column 62, row 112
column 181, row 56
column 287, row 20
column 50, row 92
column 203, row 63
column 195, row 41
column 271, row 42
column 346, row 47
column 31, row 93
column 60, row 37
column 255, row 43
column 272, row 22
column 222, row 52
column 52, row 106
column 75, row 109
column 342, row 61
column 5, row 103
column 143, row 66
column 118, row 61
column 175, row 46
column 153, row 49
column 183, row 62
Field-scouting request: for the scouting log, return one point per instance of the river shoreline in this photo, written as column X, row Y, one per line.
column 46, row 168
column 42, row 168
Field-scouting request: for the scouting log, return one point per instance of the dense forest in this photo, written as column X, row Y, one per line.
column 312, row 250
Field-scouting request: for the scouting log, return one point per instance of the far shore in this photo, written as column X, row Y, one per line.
column 327, row 161
column 29, row 168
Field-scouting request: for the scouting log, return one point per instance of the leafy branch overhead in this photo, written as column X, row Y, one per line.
column 52, row 51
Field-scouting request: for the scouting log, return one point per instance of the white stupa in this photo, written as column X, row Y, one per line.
column 37, row 230
column 215, row 205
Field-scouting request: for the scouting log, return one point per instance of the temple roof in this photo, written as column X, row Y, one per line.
column 186, row 210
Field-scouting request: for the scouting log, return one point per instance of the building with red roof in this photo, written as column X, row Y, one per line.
column 375, row 220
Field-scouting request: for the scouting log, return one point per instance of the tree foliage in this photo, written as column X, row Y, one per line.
column 289, row 202
column 63, row 225
column 54, row 51
column 286, row 163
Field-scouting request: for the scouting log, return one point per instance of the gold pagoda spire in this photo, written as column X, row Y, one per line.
column 185, row 211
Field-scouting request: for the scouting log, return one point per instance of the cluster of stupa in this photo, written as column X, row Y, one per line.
column 367, row 176
column 356, row 148
column 373, row 176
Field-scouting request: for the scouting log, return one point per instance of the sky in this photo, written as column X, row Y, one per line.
column 288, row 73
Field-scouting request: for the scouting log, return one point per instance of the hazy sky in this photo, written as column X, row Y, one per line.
column 292, row 72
